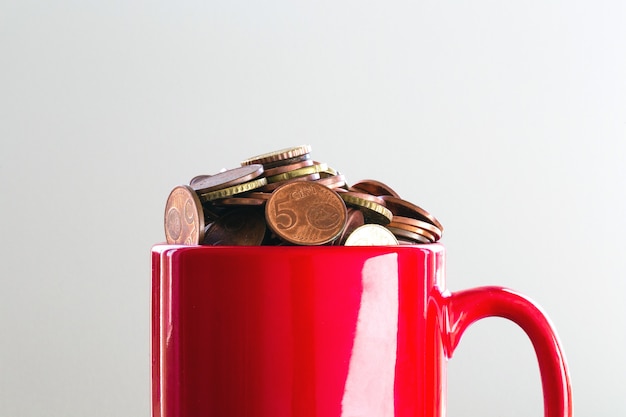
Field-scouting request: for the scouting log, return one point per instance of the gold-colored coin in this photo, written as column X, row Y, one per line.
column 184, row 218
column 299, row 172
column 373, row 208
column 279, row 155
column 235, row 189
column 271, row 187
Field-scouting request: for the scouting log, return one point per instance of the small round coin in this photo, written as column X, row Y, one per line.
column 281, row 169
column 355, row 219
column 299, row 172
column 243, row 187
column 184, row 218
column 305, row 213
column 400, row 207
column 373, row 206
column 333, row 181
column 224, row 179
column 371, row 234
column 430, row 228
column 279, row 155
column 374, row 187
column 268, row 188
column 414, row 229
column 405, row 234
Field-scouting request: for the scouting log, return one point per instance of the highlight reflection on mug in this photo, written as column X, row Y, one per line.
column 369, row 389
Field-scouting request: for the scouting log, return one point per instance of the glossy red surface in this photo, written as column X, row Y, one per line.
column 320, row 331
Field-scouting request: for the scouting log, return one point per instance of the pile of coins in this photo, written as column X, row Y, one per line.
column 287, row 198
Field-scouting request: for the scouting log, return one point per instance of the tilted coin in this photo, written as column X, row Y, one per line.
column 355, row 219
column 268, row 188
column 287, row 161
column 225, row 179
column 201, row 177
column 333, row 181
column 432, row 230
column 305, row 213
column 400, row 207
column 414, row 229
column 281, row 169
column 240, row 227
column 371, row 234
column 279, row 155
column 374, row 187
column 401, row 233
column 184, row 218
column 250, row 198
column 327, row 170
column 299, row 172
column 373, row 207
column 198, row 178
column 235, row 189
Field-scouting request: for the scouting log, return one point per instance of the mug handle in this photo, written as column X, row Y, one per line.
column 462, row 308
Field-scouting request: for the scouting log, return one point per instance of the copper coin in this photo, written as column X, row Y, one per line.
column 374, row 187
column 279, row 155
column 373, row 207
column 238, row 227
column 371, row 234
column 225, row 179
column 288, row 167
column 333, row 181
column 184, row 218
column 401, row 233
column 400, row 207
column 268, row 188
column 306, row 213
column 429, row 227
column 355, row 219
column 198, row 178
column 202, row 177
column 414, row 229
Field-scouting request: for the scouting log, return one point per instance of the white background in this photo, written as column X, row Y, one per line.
column 506, row 120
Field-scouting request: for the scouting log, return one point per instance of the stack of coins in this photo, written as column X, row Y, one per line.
column 285, row 197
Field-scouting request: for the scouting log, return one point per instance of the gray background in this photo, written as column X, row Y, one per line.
column 506, row 120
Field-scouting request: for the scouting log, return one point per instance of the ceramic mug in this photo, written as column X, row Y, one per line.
column 321, row 331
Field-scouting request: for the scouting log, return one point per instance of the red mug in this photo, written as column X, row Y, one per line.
column 321, row 331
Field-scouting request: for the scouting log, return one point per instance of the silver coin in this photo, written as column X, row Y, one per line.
column 371, row 234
